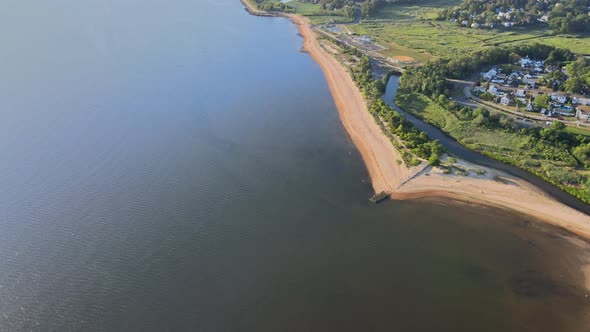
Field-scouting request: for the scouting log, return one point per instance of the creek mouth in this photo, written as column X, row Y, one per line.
column 474, row 157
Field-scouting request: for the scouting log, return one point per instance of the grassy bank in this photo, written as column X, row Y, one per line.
column 553, row 163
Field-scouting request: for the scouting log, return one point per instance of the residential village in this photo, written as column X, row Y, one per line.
column 506, row 18
column 521, row 88
column 563, row 16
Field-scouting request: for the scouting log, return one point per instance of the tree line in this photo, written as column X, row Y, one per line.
column 414, row 140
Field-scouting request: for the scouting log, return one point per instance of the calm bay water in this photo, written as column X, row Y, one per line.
column 181, row 166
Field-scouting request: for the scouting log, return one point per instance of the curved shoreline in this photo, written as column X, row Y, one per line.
column 381, row 158
column 496, row 188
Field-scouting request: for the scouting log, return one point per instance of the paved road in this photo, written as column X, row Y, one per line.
column 471, row 101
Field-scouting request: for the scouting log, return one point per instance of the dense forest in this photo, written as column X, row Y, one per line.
column 565, row 16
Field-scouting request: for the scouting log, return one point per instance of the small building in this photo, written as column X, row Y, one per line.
column 580, row 100
column 505, row 100
column 489, row 74
column 583, row 113
column 529, row 107
column 560, row 98
column 493, row 89
column 479, row 89
column 520, row 93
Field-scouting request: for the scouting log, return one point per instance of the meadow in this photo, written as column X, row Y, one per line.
column 412, row 30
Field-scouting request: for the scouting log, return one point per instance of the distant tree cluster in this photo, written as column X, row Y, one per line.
column 565, row 16
column 368, row 7
column 570, row 16
column 273, row 6
column 579, row 76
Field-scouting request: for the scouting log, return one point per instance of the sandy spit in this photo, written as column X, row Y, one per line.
column 495, row 188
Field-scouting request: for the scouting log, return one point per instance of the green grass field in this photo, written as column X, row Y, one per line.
column 411, row 29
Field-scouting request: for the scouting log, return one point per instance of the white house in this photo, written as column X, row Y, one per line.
column 529, row 107
column 475, row 25
column 559, row 98
column 489, row 74
column 580, row 101
column 505, row 101
column 583, row 113
column 520, row 93
column 493, row 89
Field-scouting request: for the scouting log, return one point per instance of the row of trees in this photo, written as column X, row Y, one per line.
column 570, row 16
column 273, row 6
column 413, row 139
column 371, row 7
